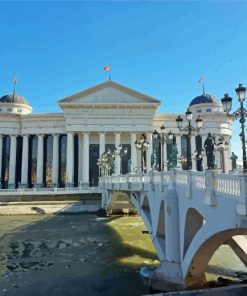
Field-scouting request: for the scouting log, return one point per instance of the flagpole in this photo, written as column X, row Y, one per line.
column 109, row 72
column 14, row 82
column 203, row 88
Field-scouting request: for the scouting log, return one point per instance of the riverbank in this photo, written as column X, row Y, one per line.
column 50, row 207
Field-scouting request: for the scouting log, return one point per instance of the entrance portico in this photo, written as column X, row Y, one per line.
column 63, row 149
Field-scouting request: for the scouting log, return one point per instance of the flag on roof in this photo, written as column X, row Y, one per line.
column 107, row 68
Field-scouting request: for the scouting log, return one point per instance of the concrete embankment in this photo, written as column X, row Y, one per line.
column 49, row 207
column 24, row 197
column 234, row 290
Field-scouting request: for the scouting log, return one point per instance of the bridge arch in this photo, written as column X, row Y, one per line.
column 195, row 272
column 146, row 211
column 193, row 223
column 160, row 231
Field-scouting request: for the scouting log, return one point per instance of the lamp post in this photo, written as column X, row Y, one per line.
column 189, row 129
column 161, row 137
column 142, row 145
column 241, row 113
column 121, row 151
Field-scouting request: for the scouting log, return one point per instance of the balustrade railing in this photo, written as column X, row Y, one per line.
column 181, row 178
column 225, row 184
column 198, row 180
column 228, row 184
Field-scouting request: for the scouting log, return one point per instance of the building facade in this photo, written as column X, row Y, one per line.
column 62, row 149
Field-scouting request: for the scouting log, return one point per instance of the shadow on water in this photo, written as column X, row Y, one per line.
column 69, row 255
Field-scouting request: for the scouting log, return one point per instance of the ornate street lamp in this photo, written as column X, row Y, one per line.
column 142, row 145
column 121, row 151
column 161, row 137
column 240, row 113
column 189, row 129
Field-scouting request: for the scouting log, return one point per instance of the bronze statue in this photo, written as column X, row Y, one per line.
column 209, row 146
column 234, row 161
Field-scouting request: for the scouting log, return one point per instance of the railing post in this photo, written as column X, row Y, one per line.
column 188, row 191
column 209, row 196
column 151, row 174
column 242, row 205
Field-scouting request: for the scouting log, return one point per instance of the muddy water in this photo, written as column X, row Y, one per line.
column 82, row 255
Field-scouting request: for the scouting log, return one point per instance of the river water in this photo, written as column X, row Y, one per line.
column 82, row 255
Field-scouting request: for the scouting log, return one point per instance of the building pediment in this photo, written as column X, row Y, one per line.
column 108, row 93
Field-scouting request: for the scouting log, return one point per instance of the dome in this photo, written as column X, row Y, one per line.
column 13, row 98
column 204, row 99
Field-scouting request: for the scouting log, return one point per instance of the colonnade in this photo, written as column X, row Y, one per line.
column 83, row 156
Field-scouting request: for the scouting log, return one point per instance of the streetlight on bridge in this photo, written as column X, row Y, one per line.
column 161, row 137
column 240, row 113
column 189, row 129
column 143, row 146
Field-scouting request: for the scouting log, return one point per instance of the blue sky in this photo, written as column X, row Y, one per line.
column 159, row 48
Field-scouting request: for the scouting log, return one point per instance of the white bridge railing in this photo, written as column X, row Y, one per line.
column 231, row 185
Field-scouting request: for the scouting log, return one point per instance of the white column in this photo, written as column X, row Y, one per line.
column 80, row 155
column 85, row 162
column 218, row 159
column 24, row 162
column 133, row 151
column 12, row 162
column 149, row 152
column 55, row 160
column 204, row 154
column 40, row 161
column 179, row 146
column 1, row 156
column 193, row 148
column 70, row 160
column 227, row 160
column 164, row 158
column 117, row 157
column 101, row 143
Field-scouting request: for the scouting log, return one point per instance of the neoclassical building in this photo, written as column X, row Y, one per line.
column 62, row 149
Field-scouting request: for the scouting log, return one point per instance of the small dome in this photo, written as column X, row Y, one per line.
column 13, row 98
column 204, row 99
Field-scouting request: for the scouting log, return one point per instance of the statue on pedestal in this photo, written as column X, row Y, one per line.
column 234, row 161
column 209, row 146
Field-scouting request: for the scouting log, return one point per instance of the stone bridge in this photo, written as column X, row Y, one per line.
column 188, row 215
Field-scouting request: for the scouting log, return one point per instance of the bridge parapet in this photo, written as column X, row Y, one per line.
column 211, row 184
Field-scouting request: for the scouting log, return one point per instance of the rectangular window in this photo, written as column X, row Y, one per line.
column 199, row 111
column 208, row 110
column 19, row 110
column 9, row 109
